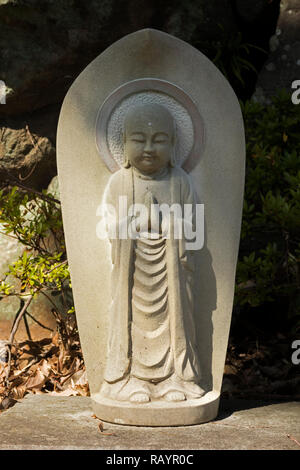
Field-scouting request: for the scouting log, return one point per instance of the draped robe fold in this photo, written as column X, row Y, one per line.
column 180, row 279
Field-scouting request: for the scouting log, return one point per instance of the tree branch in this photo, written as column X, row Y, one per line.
column 13, row 332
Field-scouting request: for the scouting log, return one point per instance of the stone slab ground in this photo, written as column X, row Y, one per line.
column 41, row 422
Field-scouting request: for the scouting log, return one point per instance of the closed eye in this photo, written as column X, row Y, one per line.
column 161, row 138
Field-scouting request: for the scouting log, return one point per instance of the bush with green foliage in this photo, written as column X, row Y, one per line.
column 268, row 266
column 34, row 219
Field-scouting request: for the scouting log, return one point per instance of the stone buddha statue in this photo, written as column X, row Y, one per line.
column 152, row 348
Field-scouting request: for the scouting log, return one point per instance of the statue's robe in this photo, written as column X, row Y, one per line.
column 179, row 265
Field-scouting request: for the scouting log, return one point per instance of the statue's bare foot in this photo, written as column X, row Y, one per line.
column 175, row 396
column 140, row 397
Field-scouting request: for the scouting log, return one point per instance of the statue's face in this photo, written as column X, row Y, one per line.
column 149, row 136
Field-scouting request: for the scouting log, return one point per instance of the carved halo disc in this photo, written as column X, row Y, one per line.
column 188, row 121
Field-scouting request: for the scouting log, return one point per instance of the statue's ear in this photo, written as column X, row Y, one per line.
column 126, row 162
column 172, row 159
column 173, row 141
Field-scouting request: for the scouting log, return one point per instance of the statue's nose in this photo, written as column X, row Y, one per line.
column 148, row 149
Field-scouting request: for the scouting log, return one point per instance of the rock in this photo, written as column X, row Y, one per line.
column 7, row 402
column 45, row 45
column 281, row 67
column 3, row 351
column 249, row 11
column 53, row 188
column 198, row 20
column 270, row 67
column 2, row 92
column 10, row 249
column 27, row 148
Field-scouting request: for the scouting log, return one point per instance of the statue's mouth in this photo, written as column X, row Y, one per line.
column 148, row 157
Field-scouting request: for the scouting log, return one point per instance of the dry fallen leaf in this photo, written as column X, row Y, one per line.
column 19, row 391
column 52, row 365
column 78, row 378
column 36, row 381
column 293, row 439
column 101, row 429
column 7, row 402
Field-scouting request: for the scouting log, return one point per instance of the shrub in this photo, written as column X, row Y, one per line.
column 268, row 266
column 34, row 219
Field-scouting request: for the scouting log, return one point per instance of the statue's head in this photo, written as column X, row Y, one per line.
column 149, row 136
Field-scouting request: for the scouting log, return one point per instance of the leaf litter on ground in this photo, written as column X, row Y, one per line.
column 51, row 365
column 54, row 365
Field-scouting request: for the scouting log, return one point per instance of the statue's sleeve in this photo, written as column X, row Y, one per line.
column 110, row 204
column 188, row 203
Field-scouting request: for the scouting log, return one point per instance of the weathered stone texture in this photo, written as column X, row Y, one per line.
column 43, row 422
